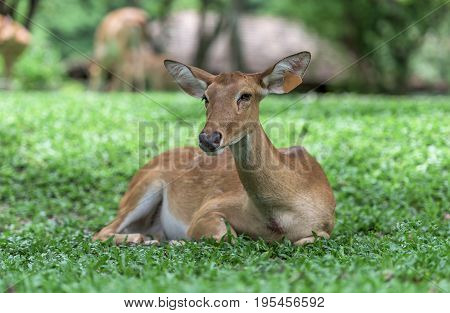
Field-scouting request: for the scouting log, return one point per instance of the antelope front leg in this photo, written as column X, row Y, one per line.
column 111, row 231
column 209, row 225
column 134, row 238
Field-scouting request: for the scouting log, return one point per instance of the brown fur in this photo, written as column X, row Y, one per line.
column 123, row 57
column 14, row 39
column 261, row 191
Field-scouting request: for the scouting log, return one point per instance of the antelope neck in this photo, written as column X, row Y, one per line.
column 259, row 167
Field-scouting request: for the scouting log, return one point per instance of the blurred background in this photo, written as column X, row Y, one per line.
column 367, row 46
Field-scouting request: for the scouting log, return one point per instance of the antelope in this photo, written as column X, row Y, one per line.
column 237, row 182
column 14, row 38
column 122, row 48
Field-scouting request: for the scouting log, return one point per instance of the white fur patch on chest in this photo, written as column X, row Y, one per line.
column 174, row 229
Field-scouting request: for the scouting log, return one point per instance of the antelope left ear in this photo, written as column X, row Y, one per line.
column 192, row 80
column 287, row 74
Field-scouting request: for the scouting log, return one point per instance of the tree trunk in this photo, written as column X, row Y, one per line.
column 206, row 39
column 158, row 42
column 31, row 11
column 237, row 59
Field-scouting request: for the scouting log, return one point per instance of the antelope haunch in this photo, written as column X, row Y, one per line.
column 264, row 192
column 14, row 38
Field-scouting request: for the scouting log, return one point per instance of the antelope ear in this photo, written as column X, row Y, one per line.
column 287, row 74
column 192, row 80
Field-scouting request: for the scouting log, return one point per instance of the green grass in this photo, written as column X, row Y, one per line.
column 66, row 159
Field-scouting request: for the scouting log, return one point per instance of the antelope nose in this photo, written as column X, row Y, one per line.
column 216, row 137
column 211, row 142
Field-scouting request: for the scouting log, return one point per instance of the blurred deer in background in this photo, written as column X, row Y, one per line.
column 14, row 38
column 124, row 59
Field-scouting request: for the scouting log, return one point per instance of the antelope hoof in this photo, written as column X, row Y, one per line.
column 311, row 239
column 129, row 238
column 176, row 242
column 151, row 242
column 305, row 241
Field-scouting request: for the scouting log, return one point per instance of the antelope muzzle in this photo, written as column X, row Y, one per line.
column 210, row 142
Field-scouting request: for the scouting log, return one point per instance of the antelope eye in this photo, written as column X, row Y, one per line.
column 245, row 97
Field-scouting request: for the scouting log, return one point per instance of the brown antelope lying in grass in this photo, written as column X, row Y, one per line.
column 264, row 192
column 14, row 38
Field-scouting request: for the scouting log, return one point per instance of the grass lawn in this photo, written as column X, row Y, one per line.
column 66, row 159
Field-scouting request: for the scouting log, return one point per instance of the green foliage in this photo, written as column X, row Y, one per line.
column 431, row 62
column 40, row 67
column 67, row 159
column 393, row 30
column 76, row 21
column 397, row 59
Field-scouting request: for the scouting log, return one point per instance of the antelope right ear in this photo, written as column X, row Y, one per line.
column 286, row 74
column 192, row 80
